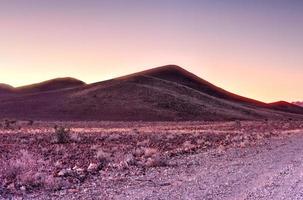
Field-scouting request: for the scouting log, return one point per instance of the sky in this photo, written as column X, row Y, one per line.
column 252, row 47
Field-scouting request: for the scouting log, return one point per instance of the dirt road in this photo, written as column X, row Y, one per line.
column 273, row 170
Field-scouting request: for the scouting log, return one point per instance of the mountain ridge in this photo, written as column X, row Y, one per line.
column 48, row 85
column 160, row 94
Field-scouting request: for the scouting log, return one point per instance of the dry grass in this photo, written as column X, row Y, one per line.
column 92, row 149
column 27, row 172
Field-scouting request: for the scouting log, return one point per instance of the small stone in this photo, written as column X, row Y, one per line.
column 23, row 188
column 92, row 167
column 78, row 169
column 64, row 172
column 11, row 186
column 73, row 190
column 58, row 163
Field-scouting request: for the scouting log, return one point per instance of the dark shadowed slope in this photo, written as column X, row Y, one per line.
column 288, row 107
column 166, row 93
column 54, row 84
column 5, row 89
column 176, row 74
column 179, row 75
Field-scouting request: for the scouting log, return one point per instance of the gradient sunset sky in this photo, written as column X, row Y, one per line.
column 250, row 47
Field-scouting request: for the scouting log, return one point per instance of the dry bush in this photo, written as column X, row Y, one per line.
column 171, row 136
column 113, row 137
column 259, row 136
column 27, row 172
column 243, row 144
column 148, row 152
column 155, row 161
column 138, row 152
column 30, row 122
column 145, row 142
column 129, row 159
column 62, row 135
column 152, row 158
column 9, row 124
column 200, row 141
column 75, row 137
column 136, row 131
column 221, row 149
column 95, row 147
column 103, row 158
column 238, row 123
column 187, row 145
column 125, row 161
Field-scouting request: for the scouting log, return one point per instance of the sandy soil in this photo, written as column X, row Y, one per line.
column 267, row 168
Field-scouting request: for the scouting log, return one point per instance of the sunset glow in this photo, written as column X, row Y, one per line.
column 252, row 48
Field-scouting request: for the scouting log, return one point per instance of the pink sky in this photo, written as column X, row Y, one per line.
column 254, row 50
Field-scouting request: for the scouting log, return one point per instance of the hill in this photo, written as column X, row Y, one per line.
column 164, row 93
column 287, row 107
column 298, row 103
column 5, row 89
column 54, row 84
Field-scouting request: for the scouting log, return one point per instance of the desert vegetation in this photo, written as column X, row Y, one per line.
column 54, row 156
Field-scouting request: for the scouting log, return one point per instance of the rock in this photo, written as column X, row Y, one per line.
column 73, row 190
column 78, row 169
column 23, row 188
column 64, row 172
column 58, row 163
column 11, row 187
column 92, row 167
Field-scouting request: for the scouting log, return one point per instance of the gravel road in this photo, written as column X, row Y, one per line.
column 271, row 170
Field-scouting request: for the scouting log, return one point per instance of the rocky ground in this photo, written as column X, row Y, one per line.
column 189, row 160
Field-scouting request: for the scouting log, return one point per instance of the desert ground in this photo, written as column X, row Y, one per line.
column 151, row 160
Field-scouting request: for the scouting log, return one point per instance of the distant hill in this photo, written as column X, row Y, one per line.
column 163, row 93
column 288, row 107
column 54, row 84
column 5, row 89
column 298, row 103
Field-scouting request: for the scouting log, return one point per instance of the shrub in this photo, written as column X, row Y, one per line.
column 75, row 137
column 30, row 122
column 27, row 172
column 148, row 152
column 155, row 161
column 152, row 158
column 143, row 143
column 9, row 124
column 103, row 158
column 187, row 145
column 62, row 135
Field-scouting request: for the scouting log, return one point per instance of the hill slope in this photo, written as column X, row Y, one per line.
column 5, row 89
column 288, row 107
column 165, row 93
column 178, row 75
column 298, row 103
column 54, row 84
